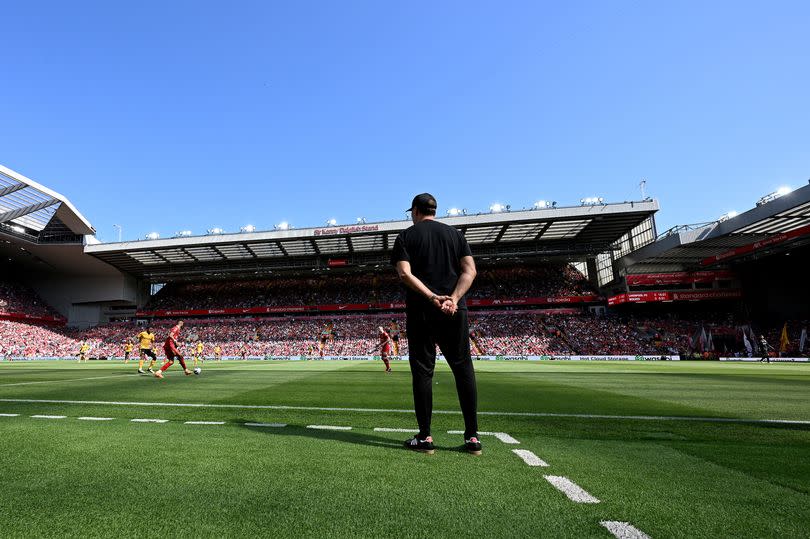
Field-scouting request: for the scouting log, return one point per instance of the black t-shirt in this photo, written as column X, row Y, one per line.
column 435, row 251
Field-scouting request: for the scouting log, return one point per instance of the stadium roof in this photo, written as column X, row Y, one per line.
column 34, row 213
column 572, row 232
column 778, row 225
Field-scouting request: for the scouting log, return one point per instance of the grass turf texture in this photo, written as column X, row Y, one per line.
column 67, row 477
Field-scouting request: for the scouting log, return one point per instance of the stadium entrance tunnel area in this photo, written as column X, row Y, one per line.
column 332, row 463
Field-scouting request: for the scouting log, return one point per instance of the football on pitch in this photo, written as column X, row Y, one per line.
column 197, row 370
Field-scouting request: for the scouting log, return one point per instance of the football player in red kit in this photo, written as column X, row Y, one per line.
column 384, row 347
column 172, row 353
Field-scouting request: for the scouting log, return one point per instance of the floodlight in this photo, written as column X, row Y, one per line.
column 497, row 208
column 361, row 220
column 284, row 225
column 541, row 205
column 770, row 197
column 183, row 234
column 331, row 222
column 153, row 236
column 215, row 231
column 248, row 228
column 453, row 212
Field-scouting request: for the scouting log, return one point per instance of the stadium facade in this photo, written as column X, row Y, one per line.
column 47, row 243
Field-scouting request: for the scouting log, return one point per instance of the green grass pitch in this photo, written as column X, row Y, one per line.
column 646, row 463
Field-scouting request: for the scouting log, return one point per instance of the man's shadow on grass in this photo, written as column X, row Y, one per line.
column 369, row 439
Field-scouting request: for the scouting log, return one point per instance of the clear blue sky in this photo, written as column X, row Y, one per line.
column 187, row 115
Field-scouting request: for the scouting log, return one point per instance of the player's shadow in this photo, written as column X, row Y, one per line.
column 342, row 436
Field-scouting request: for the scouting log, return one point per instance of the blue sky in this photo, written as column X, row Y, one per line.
column 187, row 115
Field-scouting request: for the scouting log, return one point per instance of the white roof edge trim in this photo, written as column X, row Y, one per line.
column 384, row 227
column 50, row 192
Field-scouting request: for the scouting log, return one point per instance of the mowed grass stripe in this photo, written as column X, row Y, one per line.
column 794, row 422
column 65, row 380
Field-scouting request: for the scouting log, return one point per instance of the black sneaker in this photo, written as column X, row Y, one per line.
column 422, row 446
column 472, row 446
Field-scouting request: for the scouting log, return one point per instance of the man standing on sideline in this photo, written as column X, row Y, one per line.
column 766, row 355
column 435, row 263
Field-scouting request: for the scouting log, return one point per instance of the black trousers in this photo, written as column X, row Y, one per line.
column 426, row 329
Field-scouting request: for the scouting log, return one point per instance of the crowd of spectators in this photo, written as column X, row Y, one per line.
column 20, row 339
column 515, row 333
column 491, row 333
column 16, row 298
column 537, row 280
column 542, row 280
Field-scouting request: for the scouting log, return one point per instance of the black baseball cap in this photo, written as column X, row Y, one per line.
column 423, row 202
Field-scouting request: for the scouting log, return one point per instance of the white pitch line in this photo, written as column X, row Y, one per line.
column 49, row 416
column 502, row 436
column 574, row 492
column 406, row 431
column 327, row 427
column 530, row 458
column 268, row 425
column 67, row 380
column 204, row 423
column 623, row 530
column 795, row 422
column 505, row 438
column 9, row 415
column 149, row 420
column 96, row 418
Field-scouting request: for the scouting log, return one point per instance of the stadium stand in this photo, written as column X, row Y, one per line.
column 18, row 299
column 694, row 290
column 542, row 280
column 492, row 333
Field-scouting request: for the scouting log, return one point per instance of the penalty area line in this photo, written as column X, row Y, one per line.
column 623, row 530
column 530, row 458
column 793, row 422
column 502, row 436
column 574, row 492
